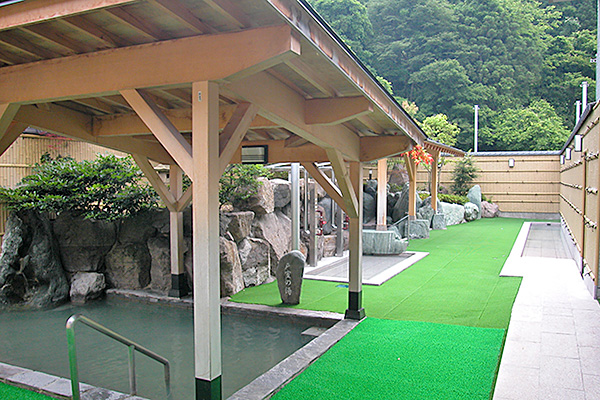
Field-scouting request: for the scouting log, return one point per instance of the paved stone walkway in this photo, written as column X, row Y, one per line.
column 552, row 349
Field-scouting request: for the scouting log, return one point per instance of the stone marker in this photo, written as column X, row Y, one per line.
column 289, row 276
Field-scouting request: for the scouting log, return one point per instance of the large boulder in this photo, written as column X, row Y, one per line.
column 383, row 242
column 240, row 224
column 86, row 286
column 263, row 201
column 426, row 213
column 275, row 228
column 329, row 245
column 325, row 205
column 370, row 187
column 137, row 229
column 471, row 212
column 418, row 229
column 474, row 196
column 82, row 243
column 427, row 202
column 255, row 257
column 489, row 210
column 282, row 192
column 369, row 207
column 160, row 268
column 31, row 273
column 128, row 266
column 438, row 222
column 231, row 268
column 454, row 213
column 400, row 209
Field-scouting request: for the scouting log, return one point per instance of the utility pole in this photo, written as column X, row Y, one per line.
column 476, row 127
column 584, row 94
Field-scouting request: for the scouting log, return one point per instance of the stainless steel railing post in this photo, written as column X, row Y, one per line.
column 132, row 347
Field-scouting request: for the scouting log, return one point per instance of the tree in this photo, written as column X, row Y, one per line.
column 463, row 175
column 536, row 127
column 108, row 188
column 438, row 128
column 350, row 20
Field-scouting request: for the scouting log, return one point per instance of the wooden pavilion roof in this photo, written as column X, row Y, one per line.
column 66, row 66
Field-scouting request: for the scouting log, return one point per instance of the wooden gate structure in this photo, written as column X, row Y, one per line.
column 579, row 197
column 197, row 84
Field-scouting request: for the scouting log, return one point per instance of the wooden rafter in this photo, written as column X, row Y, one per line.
column 31, row 12
column 183, row 15
column 227, row 55
column 139, row 25
column 22, row 45
column 295, row 141
column 106, row 38
column 160, row 126
column 230, row 12
column 69, row 45
column 312, row 77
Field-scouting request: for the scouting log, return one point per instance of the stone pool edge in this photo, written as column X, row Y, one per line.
column 269, row 383
column 263, row 387
column 54, row 386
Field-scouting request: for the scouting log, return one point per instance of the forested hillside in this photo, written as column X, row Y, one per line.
column 521, row 61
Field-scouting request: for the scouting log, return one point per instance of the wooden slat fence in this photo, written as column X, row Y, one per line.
column 579, row 198
column 531, row 186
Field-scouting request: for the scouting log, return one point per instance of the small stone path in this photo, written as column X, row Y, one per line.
column 552, row 349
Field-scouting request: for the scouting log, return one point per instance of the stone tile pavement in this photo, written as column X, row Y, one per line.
column 552, row 349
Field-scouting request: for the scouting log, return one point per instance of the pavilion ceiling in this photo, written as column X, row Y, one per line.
column 66, row 63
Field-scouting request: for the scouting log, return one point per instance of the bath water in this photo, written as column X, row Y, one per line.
column 250, row 345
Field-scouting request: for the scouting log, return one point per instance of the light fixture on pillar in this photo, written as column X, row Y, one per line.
column 562, row 159
column 568, row 153
column 255, row 154
column 511, row 163
column 578, row 143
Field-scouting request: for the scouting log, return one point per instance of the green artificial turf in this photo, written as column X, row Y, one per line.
column 8, row 392
column 384, row 359
column 457, row 283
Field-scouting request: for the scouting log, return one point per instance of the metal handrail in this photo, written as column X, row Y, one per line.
column 132, row 346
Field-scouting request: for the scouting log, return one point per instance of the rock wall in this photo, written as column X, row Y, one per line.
column 42, row 260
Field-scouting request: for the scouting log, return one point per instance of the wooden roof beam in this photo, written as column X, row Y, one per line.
column 336, row 110
column 67, row 122
column 377, row 147
column 213, row 57
column 180, row 12
column 31, row 12
column 7, row 115
column 279, row 153
column 323, row 180
column 285, row 107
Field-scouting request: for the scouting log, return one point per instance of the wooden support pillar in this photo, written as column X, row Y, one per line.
column 411, row 168
column 179, row 286
column 382, row 195
column 205, row 222
column 434, row 179
column 355, row 309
